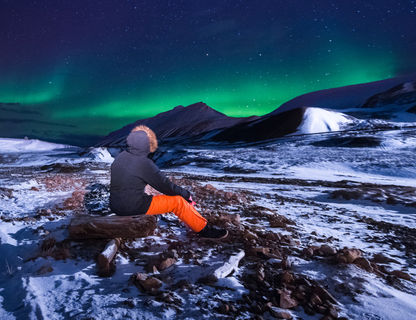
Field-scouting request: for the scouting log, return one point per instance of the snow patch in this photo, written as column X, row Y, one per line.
column 101, row 154
column 383, row 302
column 408, row 87
column 317, row 120
column 11, row 145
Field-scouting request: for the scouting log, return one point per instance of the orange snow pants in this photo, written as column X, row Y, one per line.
column 180, row 207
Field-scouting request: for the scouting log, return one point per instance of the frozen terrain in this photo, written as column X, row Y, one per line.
column 355, row 189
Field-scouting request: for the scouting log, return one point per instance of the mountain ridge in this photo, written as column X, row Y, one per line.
column 202, row 122
column 180, row 121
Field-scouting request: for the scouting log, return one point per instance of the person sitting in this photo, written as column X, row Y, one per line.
column 133, row 169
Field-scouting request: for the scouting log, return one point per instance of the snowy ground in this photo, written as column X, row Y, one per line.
column 355, row 190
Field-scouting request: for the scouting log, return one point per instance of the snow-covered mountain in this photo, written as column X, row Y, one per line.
column 344, row 97
column 403, row 94
column 349, row 107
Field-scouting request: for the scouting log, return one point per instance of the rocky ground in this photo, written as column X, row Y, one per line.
column 297, row 249
column 271, row 247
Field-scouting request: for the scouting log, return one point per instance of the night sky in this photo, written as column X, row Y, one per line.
column 97, row 65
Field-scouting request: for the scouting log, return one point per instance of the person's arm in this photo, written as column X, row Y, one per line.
column 157, row 179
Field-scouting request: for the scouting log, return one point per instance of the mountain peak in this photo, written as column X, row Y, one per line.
column 198, row 106
column 180, row 121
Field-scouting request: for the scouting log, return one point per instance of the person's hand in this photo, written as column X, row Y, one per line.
column 191, row 201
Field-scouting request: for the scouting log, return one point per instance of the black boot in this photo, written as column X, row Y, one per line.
column 213, row 232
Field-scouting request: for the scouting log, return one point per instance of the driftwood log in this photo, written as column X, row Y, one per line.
column 105, row 261
column 229, row 266
column 221, row 270
column 111, row 227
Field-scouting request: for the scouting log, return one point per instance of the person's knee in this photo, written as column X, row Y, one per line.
column 179, row 201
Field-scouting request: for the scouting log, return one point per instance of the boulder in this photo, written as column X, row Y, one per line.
column 286, row 301
column 146, row 283
column 348, row 255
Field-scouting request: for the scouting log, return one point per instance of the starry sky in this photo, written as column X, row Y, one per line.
column 90, row 67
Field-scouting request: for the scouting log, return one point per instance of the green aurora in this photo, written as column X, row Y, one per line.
column 85, row 69
column 74, row 96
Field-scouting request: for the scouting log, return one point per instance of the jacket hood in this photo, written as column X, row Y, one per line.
column 138, row 143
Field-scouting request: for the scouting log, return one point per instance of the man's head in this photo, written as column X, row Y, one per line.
column 150, row 134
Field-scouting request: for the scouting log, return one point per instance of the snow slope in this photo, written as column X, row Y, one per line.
column 10, row 145
column 317, row 120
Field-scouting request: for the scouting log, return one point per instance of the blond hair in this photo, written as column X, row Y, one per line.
column 150, row 134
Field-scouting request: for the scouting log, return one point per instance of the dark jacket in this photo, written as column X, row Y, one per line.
column 131, row 171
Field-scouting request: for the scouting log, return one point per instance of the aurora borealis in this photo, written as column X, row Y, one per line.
column 90, row 67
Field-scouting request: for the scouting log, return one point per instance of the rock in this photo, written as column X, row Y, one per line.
column 363, row 263
column 348, row 255
column 286, row 302
column 147, row 284
column 166, row 263
column 279, row 221
column 48, row 244
column 6, row 192
column 300, row 296
column 381, row 258
column 333, row 312
column 182, row 285
column 279, row 314
column 326, row 250
column 250, row 235
column 324, row 294
column 173, row 254
column 170, row 298
column 315, row 300
column 163, row 261
column 289, row 240
column 151, row 284
column 287, row 277
column 309, row 252
column 308, row 309
column 223, row 308
column 130, row 302
column 34, row 188
column 140, row 276
column 230, row 196
column 260, row 273
column 320, row 308
column 286, row 264
column 263, row 252
column 224, row 219
column 44, row 269
column 401, row 274
column 208, row 280
column 210, row 187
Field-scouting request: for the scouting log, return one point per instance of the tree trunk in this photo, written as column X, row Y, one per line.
column 111, row 227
